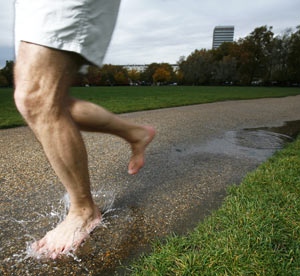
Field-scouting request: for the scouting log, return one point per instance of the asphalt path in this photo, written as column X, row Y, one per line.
column 198, row 152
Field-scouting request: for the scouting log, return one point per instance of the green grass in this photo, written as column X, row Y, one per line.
column 9, row 116
column 129, row 99
column 255, row 232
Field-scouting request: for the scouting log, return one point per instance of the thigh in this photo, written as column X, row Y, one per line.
column 44, row 70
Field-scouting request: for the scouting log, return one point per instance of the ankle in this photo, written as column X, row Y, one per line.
column 83, row 208
column 86, row 214
column 138, row 134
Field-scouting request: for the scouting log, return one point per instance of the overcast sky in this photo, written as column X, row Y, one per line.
column 164, row 30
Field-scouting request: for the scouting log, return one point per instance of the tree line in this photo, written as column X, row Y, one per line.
column 261, row 58
column 111, row 75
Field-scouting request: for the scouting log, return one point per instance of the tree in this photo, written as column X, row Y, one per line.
column 158, row 72
column 113, row 75
column 294, row 56
column 93, row 75
column 225, row 49
column 161, row 75
column 134, row 76
column 225, row 63
column 197, row 68
column 3, row 80
column 147, row 75
column 226, row 70
column 121, row 78
column 256, row 52
column 8, row 72
column 281, row 49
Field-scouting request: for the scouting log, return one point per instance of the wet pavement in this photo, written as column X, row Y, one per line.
column 198, row 152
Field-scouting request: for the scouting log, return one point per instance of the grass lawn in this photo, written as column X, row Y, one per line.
column 129, row 99
column 255, row 232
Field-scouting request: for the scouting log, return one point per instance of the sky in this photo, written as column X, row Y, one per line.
column 165, row 30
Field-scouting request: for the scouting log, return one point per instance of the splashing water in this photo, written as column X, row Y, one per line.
column 58, row 212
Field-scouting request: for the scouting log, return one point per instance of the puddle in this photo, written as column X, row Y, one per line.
column 253, row 143
column 289, row 129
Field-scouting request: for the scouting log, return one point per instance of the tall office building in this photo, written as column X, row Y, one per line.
column 222, row 34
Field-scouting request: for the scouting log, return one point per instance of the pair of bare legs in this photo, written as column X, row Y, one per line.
column 43, row 77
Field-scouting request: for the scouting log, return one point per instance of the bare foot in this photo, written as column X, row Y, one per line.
column 67, row 236
column 138, row 148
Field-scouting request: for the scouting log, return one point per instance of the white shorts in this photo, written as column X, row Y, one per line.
column 81, row 26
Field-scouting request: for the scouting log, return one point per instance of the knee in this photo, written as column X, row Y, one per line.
column 21, row 101
column 41, row 83
column 37, row 107
column 27, row 102
column 33, row 104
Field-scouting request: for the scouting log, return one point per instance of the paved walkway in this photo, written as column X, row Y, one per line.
column 198, row 152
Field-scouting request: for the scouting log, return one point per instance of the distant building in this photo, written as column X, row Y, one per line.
column 138, row 67
column 222, row 34
column 142, row 67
